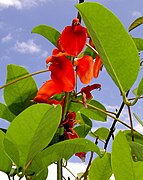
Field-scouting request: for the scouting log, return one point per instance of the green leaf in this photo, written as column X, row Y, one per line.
column 30, row 132
column 5, row 162
column 5, row 113
column 101, row 168
column 114, row 45
column 136, row 23
column 137, row 136
column 138, row 168
column 140, row 88
column 90, row 112
column 66, row 149
column 137, row 150
column 122, row 163
column 138, row 119
column 48, row 32
column 139, row 43
column 82, row 130
column 18, row 96
column 101, row 133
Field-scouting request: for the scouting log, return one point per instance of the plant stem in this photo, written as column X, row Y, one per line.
column 23, row 77
column 59, row 170
column 92, row 48
column 131, row 123
column 88, row 166
column 112, row 129
column 108, row 114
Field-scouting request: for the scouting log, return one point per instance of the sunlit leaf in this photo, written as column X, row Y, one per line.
column 137, row 136
column 18, row 96
column 114, row 45
column 139, row 43
column 122, row 163
column 138, row 168
column 90, row 112
column 140, row 88
column 137, row 150
column 30, row 132
column 5, row 162
column 48, row 32
column 66, row 149
column 101, row 168
column 138, row 119
column 5, row 113
column 136, row 23
column 101, row 133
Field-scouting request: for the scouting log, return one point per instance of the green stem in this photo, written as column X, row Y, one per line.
column 59, row 170
column 131, row 123
column 101, row 110
column 23, row 77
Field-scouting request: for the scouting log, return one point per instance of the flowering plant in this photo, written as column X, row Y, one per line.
column 52, row 123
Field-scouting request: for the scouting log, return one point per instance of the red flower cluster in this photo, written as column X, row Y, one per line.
column 70, row 133
column 63, row 65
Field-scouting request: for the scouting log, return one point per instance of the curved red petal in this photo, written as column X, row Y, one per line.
column 62, row 73
column 85, row 69
column 97, row 66
column 73, row 39
column 47, row 90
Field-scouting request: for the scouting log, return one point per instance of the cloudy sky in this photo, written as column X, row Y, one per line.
column 19, row 46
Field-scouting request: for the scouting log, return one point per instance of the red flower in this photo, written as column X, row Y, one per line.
column 73, row 38
column 87, row 90
column 70, row 133
column 62, row 72
column 97, row 66
column 48, row 89
column 85, row 69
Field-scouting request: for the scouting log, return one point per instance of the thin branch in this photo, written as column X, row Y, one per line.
column 112, row 129
column 88, row 166
column 93, row 49
column 23, row 77
column 131, row 122
column 108, row 114
column 69, row 171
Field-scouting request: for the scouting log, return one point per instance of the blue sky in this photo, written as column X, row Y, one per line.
column 19, row 46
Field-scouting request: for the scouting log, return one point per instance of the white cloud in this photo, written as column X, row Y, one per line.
column 136, row 14
column 20, row 4
column 28, row 47
column 6, row 38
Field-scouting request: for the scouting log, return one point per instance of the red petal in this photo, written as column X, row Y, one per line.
column 81, row 155
column 85, row 69
column 62, row 73
column 97, row 66
column 73, row 39
column 48, row 89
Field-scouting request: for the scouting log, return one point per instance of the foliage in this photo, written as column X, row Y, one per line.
column 53, row 123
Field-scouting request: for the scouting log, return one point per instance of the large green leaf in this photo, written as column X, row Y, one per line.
column 138, row 119
column 18, row 96
column 90, row 112
column 66, row 149
column 138, row 168
column 140, row 88
column 48, row 32
column 139, row 43
column 5, row 113
column 114, row 45
column 30, row 132
column 137, row 22
column 137, row 150
column 101, row 168
column 122, row 163
column 5, row 162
